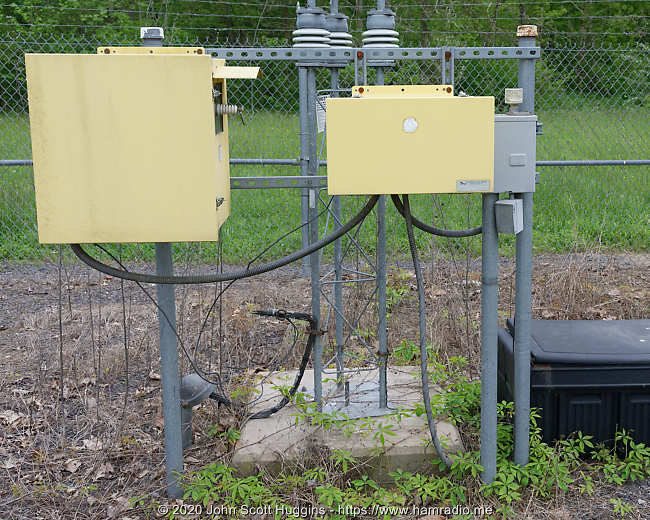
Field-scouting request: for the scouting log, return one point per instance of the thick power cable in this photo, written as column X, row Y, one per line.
column 449, row 233
column 423, row 332
column 233, row 275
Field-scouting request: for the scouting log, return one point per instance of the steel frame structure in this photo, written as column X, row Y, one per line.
column 308, row 60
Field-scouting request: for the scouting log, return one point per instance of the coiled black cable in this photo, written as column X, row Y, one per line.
column 423, row 332
column 449, row 233
column 233, row 275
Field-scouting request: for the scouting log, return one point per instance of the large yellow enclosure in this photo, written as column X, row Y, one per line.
column 127, row 147
column 409, row 139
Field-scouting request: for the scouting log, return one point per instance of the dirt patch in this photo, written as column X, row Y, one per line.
column 81, row 446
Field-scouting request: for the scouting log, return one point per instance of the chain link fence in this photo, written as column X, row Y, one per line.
column 593, row 102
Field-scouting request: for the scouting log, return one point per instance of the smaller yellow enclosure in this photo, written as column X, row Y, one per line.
column 409, row 139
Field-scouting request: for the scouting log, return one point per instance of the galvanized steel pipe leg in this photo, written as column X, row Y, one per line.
column 382, row 333
column 313, row 233
column 168, row 348
column 338, row 267
column 489, row 303
column 169, row 372
column 304, row 166
column 524, row 255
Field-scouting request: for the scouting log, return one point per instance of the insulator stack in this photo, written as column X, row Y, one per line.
column 311, row 23
column 337, row 24
column 227, row 110
column 380, row 29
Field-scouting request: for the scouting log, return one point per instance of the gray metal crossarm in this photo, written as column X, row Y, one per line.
column 287, row 181
column 327, row 55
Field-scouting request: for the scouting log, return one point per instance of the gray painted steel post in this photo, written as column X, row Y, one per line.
column 382, row 332
column 338, row 267
column 338, row 250
column 524, row 257
column 489, row 317
column 524, row 254
column 169, row 358
column 304, row 166
column 313, row 233
column 169, row 372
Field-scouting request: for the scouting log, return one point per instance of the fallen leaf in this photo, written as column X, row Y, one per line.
column 144, row 391
column 11, row 417
column 72, row 465
column 104, row 470
column 9, row 463
column 154, row 376
column 93, row 444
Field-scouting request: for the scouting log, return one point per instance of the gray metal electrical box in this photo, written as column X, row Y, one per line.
column 509, row 214
column 514, row 152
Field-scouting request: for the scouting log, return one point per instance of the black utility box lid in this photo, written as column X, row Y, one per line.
column 589, row 342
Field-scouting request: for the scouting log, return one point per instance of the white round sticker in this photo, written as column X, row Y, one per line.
column 410, row 125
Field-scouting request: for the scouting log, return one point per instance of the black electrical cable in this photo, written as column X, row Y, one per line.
column 234, row 275
column 449, row 233
column 423, row 333
column 220, row 398
column 257, row 257
column 172, row 326
column 313, row 332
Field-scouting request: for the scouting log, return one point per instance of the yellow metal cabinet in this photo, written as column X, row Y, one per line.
column 409, row 139
column 125, row 146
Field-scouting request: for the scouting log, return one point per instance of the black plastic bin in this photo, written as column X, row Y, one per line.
column 589, row 376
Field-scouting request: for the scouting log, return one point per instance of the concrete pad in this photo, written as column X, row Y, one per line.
column 284, row 439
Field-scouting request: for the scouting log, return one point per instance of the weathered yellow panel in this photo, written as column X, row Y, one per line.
column 222, row 148
column 150, row 50
column 392, row 91
column 124, row 148
column 221, row 71
column 409, row 142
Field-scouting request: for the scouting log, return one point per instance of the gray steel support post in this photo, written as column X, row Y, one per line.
column 313, row 233
column 338, row 264
column 524, row 258
column 489, row 317
column 169, row 372
column 168, row 347
column 382, row 332
column 304, row 166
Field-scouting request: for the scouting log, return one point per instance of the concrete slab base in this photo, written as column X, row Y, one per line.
column 289, row 440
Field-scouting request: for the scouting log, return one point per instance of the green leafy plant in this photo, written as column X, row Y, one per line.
column 621, row 509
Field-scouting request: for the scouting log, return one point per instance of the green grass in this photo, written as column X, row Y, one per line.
column 575, row 208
